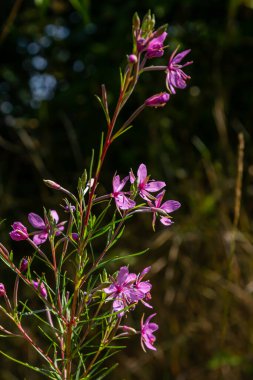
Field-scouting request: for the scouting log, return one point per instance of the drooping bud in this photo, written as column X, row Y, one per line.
column 158, row 100
column 52, row 184
column 129, row 330
column 19, row 232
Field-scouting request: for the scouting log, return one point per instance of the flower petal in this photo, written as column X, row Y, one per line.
column 170, row 206
column 154, row 186
column 122, row 275
column 122, row 183
column 115, row 183
column 178, row 58
column 40, row 238
column 36, row 221
column 123, row 202
column 166, row 221
column 141, row 173
column 54, row 215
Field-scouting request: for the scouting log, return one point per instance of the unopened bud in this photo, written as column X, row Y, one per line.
column 2, row 290
column 129, row 330
column 132, row 58
column 158, row 100
column 52, row 184
column 41, row 287
column 24, row 265
column 136, row 21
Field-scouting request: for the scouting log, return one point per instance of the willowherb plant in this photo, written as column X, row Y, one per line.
column 84, row 306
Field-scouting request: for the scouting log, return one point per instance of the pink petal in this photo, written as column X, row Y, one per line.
column 168, row 83
column 149, row 345
column 122, row 183
column 122, row 275
column 123, row 202
column 142, row 173
column 54, row 215
column 166, row 221
column 40, row 238
column 154, row 186
column 59, row 229
column 176, row 79
column 170, row 206
column 178, row 58
column 130, row 278
column 145, row 271
column 153, row 326
column 144, row 287
column 148, row 319
column 159, row 198
column 132, row 177
column 146, row 304
column 36, row 221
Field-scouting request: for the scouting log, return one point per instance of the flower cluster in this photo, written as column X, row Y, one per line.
column 145, row 187
column 126, row 290
column 149, row 44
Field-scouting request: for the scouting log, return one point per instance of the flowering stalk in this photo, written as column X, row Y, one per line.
column 84, row 303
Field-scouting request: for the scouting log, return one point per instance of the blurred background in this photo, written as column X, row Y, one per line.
column 55, row 54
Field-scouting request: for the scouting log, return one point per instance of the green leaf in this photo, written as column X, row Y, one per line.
column 120, row 132
column 44, row 372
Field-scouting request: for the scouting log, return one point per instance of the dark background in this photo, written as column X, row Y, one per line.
column 54, row 57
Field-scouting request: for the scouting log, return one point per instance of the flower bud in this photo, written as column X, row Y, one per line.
column 158, row 100
column 129, row 330
column 69, row 208
column 19, row 232
column 2, row 290
column 52, row 184
column 41, row 287
column 75, row 236
column 24, row 265
column 132, row 58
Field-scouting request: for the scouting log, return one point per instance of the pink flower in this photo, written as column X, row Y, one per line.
column 128, row 289
column 41, row 287
column 2, row 290
column 155, row 47
column 121, row 290
column 164, row 208
column 19, row 232
column 158, row 100
column 147, row 329
column 43, row 226
column 146, row 186
column 143, row 288
column 121, row 200
column 176, row 78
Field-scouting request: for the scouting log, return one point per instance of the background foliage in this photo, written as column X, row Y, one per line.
column 54, row 56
